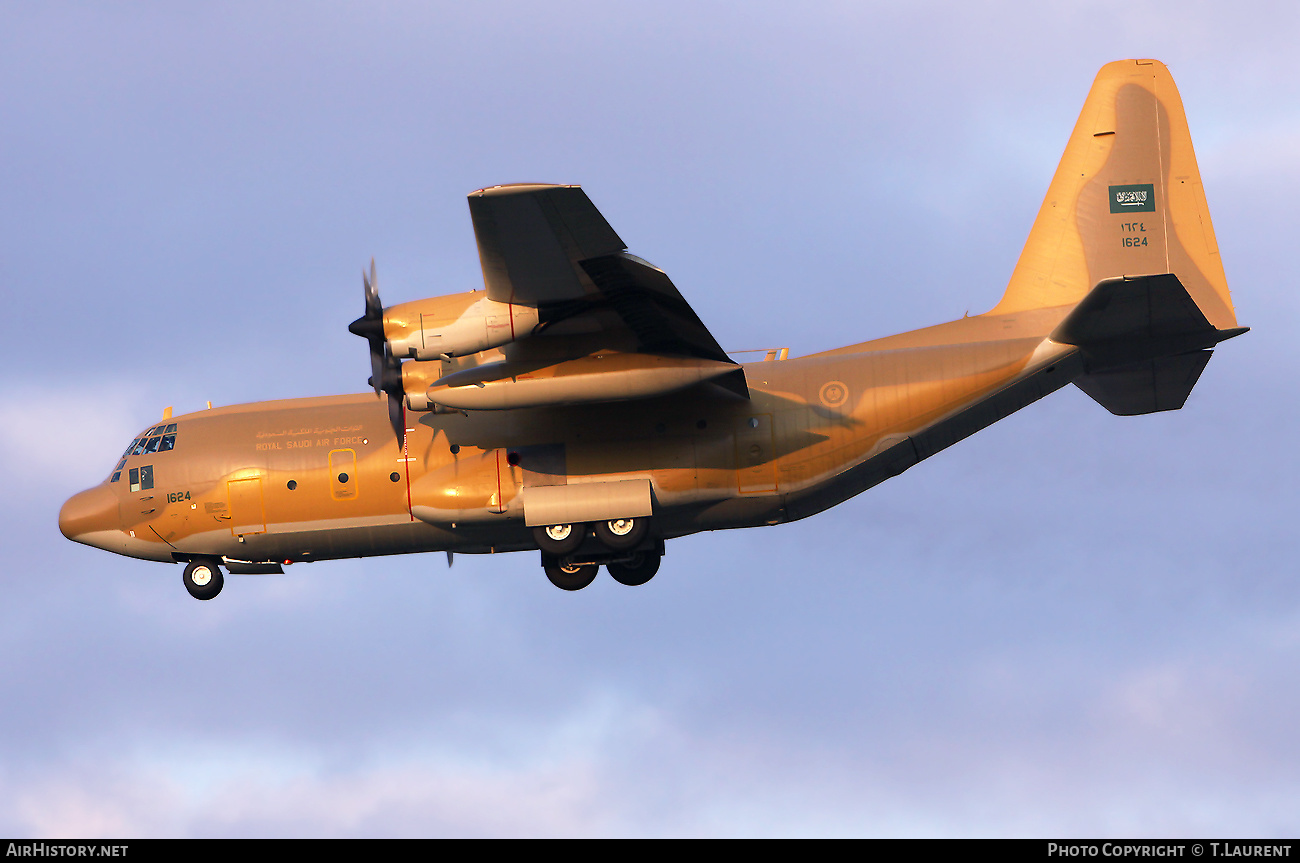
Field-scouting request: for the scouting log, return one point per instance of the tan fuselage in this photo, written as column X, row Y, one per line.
column 314, row 479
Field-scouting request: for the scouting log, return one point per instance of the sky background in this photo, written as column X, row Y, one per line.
column 1071, row 624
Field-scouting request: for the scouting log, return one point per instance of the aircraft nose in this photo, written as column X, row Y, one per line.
column 94, row 509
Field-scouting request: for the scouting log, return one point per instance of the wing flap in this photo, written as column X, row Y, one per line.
column 651, row 307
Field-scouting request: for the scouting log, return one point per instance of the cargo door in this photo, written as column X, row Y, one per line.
column 247, row 515
column 755, row 455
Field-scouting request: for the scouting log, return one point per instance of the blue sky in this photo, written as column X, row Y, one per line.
column 1069, row 624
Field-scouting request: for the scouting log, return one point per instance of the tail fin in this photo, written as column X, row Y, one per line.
column 1126, row 200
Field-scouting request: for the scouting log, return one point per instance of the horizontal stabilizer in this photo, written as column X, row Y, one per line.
column 1144, row 343
column 1133, row 318
column 1146, row 387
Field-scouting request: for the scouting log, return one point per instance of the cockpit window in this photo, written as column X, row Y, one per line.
column 141, row 477
column 160, row 438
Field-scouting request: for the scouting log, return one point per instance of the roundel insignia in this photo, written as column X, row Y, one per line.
column 833, row 394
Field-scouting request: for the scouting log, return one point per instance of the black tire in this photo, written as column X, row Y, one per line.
column 559, row 540
column 203, row 579
column 571, row 576
column 637, row 571
column 622, row 534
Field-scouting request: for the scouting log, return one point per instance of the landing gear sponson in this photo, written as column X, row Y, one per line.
column 572, row 554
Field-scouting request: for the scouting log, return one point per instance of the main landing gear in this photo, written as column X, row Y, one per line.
column 572, row 554
column 570, row 576
column 203, row 579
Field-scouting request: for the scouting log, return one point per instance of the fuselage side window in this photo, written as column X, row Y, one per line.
column 141, row 477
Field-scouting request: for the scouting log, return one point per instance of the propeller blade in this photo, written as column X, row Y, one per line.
column 377, row 369
column 370, row 327
column 385, row 369
column 374, row 308
column 397, row 415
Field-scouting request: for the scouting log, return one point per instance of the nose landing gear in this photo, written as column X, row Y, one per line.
column 203, row 579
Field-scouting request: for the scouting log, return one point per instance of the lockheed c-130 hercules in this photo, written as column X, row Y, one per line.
column 580, row 407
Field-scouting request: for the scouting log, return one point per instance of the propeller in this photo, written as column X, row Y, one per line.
column 385, row 369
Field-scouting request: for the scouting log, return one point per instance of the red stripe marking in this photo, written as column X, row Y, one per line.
column 406, row 462
column 500, row 507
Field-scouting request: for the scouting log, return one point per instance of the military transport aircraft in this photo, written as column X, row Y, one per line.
column 579, row 407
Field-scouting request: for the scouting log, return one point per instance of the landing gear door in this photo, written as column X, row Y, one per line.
column 588, row 501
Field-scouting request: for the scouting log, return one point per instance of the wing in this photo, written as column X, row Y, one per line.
column 549, row 247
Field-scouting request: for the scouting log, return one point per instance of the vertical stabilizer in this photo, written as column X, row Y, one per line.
column 1126, row 201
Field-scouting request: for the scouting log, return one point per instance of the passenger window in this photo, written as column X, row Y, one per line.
column 152, row 446
column 168, row 443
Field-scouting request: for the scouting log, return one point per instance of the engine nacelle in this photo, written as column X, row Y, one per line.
column 454, row 326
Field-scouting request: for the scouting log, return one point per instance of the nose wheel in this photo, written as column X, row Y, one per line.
column 203, row 579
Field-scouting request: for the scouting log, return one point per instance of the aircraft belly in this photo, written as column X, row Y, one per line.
column 945, row 417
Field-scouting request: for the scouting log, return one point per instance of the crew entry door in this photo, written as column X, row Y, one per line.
column 247, row 515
